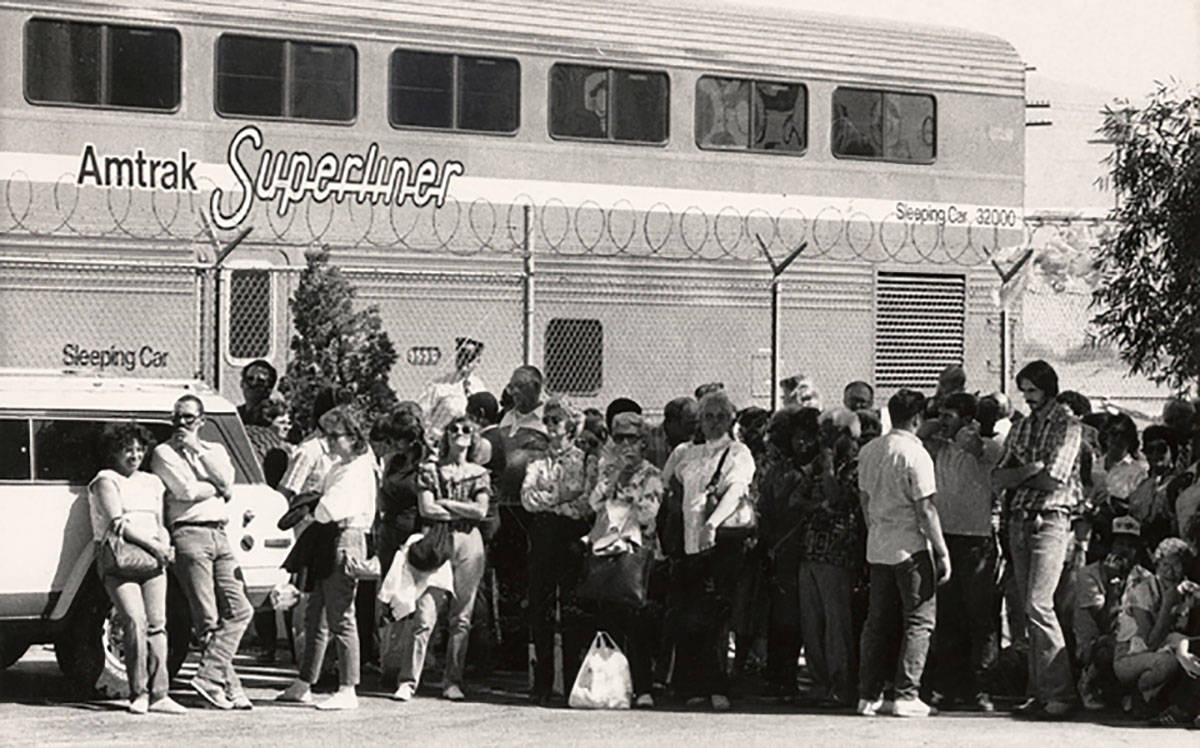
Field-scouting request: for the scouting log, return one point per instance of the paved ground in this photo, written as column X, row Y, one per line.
column 35, row 708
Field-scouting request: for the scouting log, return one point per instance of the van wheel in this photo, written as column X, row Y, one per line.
column 90, row 648
column 11, row 650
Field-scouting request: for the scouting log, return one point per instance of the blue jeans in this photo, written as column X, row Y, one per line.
column 142, row 607
column 965, row 639
column 900, row 619
column 216, row 594
column 330, row 612
column 1038, row 544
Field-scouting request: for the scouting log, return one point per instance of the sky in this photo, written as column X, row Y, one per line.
column 1086, row 54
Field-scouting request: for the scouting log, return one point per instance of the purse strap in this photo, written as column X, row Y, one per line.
column 715, row 480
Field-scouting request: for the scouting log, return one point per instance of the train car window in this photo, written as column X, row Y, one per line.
column 422, row 90
column 738, row 114
column 285, row 79
column 489, row 94
column 574, row 356
column 454, row 92
column 101, row 65
column 609, row 104
column 884, row 125
column 14, row 449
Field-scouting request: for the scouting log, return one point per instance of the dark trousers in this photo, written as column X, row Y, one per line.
column 826, row 600
column 554, row 564
column 965, row 638
column 707, row 582
column 900, row 620
column 783, row 620
column 628, row 628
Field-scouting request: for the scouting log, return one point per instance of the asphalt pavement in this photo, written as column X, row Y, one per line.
column 36, row 708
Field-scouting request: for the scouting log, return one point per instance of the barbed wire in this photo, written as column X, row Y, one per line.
column 588, row 228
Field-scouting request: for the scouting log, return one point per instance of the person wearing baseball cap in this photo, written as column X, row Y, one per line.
column 1097, row 599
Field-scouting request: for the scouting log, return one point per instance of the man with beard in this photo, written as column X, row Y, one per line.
column 1041, row 463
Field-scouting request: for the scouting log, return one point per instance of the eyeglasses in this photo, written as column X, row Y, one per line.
column 626, row 438
column 460, row 428
column 257, row 380
column 188, row 417
column 336, row 434
column 553, row 420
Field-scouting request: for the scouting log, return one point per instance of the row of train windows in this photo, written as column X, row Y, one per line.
column 106, row 65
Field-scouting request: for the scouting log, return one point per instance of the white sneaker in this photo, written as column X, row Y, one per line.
column 912, row 708
column 404, row 692
column 140, row 704
column 453, row 693
column 867, row 708
column 645, row 701
column 167, row 705
column 298, row 692
column 344, row 698
column 720, row 702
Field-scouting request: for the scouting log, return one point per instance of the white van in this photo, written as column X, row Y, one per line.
column 49, row 591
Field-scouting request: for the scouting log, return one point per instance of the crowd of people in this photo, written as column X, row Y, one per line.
column 931, row 555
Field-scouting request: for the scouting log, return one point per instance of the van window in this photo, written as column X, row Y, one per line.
column 596, row 103
column 14, row 449
column 66, row 450
column 259, row 77
column 101, row 65
column 884, row 125
column 735, row 114
column 453, row 92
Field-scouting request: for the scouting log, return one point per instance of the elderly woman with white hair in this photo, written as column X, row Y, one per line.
column 554, row 493
column 1147, row 627
column 718, row 519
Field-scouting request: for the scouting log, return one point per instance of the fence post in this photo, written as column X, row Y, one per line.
column 776, row 274
column 527, row 278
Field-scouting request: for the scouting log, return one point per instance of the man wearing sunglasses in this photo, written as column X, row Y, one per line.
column 199, row 478
column 258, row 382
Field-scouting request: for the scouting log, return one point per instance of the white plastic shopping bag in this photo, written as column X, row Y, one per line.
column 604, row 680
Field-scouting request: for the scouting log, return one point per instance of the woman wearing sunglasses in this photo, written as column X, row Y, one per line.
column 626, row 501
column 461, row 499
column 345, row 511
column 553, row 494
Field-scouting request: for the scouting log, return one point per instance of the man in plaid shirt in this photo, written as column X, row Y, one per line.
column 1040, row 464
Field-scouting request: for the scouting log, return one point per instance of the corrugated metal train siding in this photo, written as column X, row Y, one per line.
column 789, row 42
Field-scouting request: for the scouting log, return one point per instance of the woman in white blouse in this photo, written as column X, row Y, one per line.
column 707, row 574
column 124, row 499
column 347, row 505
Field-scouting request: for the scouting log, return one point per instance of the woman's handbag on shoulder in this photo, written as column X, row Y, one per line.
column 743, row 521
column 117, row 557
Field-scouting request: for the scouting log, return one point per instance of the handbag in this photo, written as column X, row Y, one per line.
column 119, row 558
column 743, row 521
column 433, row 549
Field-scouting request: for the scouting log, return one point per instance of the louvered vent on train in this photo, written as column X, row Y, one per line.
column 919, row 321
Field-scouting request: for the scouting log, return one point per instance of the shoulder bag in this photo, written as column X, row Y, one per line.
column 743, row 521
column 119, row 558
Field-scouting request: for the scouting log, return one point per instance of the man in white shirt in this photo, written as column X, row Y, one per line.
column 896, row 477
column 199, row 477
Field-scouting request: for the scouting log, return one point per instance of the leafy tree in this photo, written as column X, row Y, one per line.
column 1149, row 301
column 336, row 347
